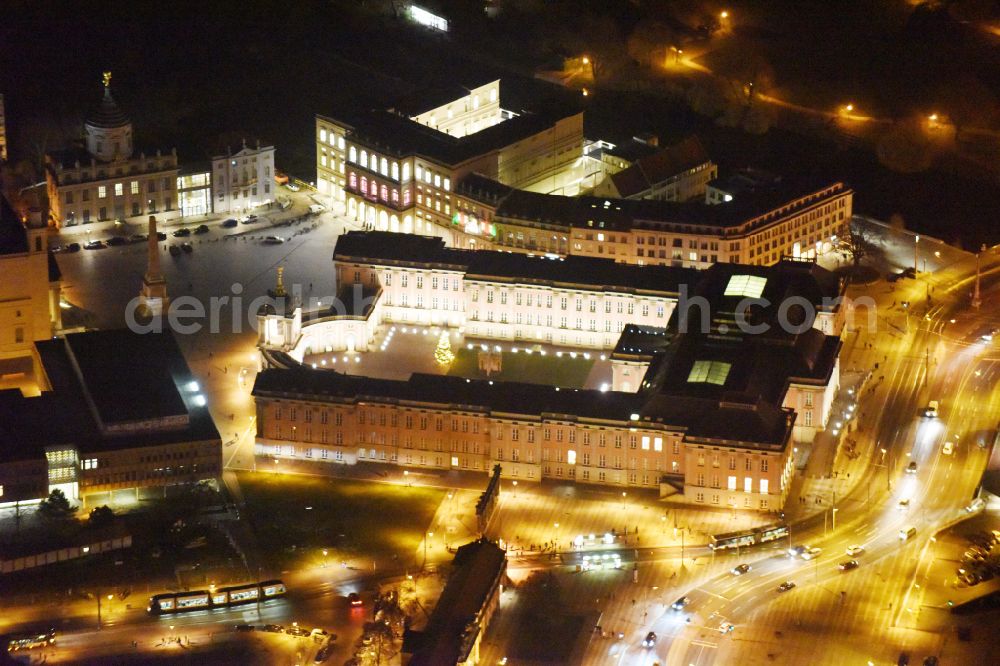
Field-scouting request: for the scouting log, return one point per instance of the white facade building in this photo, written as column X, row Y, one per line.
column 243, row 180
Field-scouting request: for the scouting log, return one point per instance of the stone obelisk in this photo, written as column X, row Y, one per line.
column 153, row 295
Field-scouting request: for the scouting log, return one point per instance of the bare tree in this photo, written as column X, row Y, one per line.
column 858, row 243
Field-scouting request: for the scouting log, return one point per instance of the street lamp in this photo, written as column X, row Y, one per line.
column 724, row 15
column 916, row 251
column 623, row 499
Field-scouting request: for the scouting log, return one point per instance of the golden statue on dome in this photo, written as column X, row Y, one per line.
column 106, row 78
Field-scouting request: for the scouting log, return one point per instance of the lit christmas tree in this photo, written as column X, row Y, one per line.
column 443, row 354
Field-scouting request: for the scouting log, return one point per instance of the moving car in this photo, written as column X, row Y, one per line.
column 244, row 627
column 201, row 229
column 72, row 247
column 248, row 219
column 848, row 565
column 948, row 448
column 229, row 224
column 787, row 585
column 650, row 640
column 317, row 208
column 292, row 186
column 741, row 569
column 904, row 503
column 280, row 178
column 907, row 533
column 931, row 410
column 273, row 240
column 810, row 553
column 274, row 628
column 95, row 245
column 354, row 599
column 183, row 231
column 726, row 627
column 680, row 603
column 297, row 631
column 912, row 467
column 855, row 550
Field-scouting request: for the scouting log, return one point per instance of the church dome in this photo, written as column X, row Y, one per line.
column 107, row 114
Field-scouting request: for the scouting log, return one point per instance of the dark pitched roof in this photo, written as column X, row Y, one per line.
column 451, row 630
column 588, row 272
column 625, row 214
column 107, row 114
column 13, row 235
column 653, row 169
column 631, row 150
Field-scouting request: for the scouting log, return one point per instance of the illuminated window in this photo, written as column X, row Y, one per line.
column 571, row 457
column 747, row 485
column 747, row 286
column 352, row 154
column 406, row 171
column 709, row 372
column 732, row 483
column 419, row 172
column 447, row 183
column 763, row 486
column 134, row 187
column 364, row 158
column 89, row 463
column 102, row 191
column 657, row 443
column 645, row 443
column 437, row 180
column 322, row 135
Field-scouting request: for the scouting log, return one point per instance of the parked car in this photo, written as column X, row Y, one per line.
column 175, row 251
column 248, row 219
column 297, row 631
column 95, row 245
column 160, row 235
column 726, row 627
column 316, row 208
column 182, row 232
column 904, row 503
column 292, row 186
column 740, row 569
column 138, row 238
column 71, row 248
column 786, row 586
column 280, row 178
column 117, row 240
column 229, row 224
column 273, row 240
column 201, row 229
column 187, row 247
column 274, row 628
column 244, row 627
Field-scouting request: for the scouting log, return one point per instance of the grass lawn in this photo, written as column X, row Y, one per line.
column 356, row 517
column 533, row 368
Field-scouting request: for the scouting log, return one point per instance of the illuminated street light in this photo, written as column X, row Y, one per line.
column 849, row 108
column 724, row 15
column 586, row 60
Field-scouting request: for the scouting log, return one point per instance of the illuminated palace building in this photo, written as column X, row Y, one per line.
column 708, row 414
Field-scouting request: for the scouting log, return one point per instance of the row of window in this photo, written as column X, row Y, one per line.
column 763, row 504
